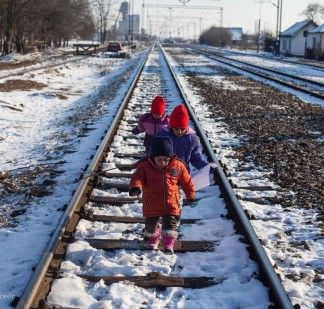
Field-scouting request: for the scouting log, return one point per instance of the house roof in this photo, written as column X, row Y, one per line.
column 295, row 28
column 317, row 29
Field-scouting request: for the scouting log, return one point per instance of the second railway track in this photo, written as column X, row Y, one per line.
column 299, row 83
column 100, row 240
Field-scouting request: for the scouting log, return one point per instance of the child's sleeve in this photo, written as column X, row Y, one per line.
column 196, row 158
column 137, row 179
column 141, row 123
column 186, row 183
column 140, row 126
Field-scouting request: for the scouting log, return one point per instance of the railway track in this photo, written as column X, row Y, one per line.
column 18, row 68
column 312, row 64
column 101, row 204
column 302, row 84
column 33, row 66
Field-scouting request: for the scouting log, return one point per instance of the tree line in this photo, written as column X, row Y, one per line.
column 26, row 24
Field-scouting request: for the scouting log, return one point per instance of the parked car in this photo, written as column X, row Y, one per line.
column 115, row 50
column 114, row 47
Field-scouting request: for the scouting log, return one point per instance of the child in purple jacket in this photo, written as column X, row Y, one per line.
column 152, row 122
column 186, row 144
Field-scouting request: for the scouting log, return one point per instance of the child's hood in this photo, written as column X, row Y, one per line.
column 169, row 129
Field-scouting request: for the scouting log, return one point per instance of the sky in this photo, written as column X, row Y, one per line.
column 236, row 13
column 27, row 140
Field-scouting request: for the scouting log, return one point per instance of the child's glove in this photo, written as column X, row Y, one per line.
column 135, row 191
column 136, row 131
column 191, row 203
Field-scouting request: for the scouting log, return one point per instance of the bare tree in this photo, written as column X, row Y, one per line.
column 2, row 21
column 23, row 23
column 83, row 19
column 104, row 17
column 216, row 36
column 314, row 11
column 12, row 15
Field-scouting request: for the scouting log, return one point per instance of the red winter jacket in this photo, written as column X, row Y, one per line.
column 160, row 186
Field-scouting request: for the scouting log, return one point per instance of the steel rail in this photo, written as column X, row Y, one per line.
column 34, row 283
column 302, row 79
column 279, row 59
column 278, row 81
column 279, row 294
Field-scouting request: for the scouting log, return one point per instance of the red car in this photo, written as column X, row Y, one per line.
column 114, row 47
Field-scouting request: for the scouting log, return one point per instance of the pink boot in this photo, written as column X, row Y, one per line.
column 154, row 239
column 168, row 243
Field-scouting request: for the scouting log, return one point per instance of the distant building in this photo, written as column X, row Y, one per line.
column 293, row 40
column 237, row 34
column 129, row 27
column 315, row 43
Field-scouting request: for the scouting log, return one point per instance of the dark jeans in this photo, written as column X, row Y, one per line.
column 169, row 223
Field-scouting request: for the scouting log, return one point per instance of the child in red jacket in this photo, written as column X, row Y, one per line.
column 159, row 177
column 152, row 122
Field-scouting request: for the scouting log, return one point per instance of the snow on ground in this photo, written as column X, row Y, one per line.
column 27, row 133
column 295, row 69
column 27, row 140
column 228, row 262
column 277, row 219
column 271, row 62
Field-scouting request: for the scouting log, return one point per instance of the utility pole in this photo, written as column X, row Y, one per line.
column 221, row 17
column 170, row 19
column 259, row 28
column 132, row 37
column 129, row 23
column 279, row 16
column 278, row 25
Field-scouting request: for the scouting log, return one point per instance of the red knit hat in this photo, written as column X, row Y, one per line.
column 179, row 117
column 158, row 105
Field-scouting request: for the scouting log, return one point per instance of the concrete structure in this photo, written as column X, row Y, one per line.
column 293, row 40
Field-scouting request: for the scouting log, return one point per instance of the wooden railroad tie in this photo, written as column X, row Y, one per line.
column 116, row 185
column 124, row 166
column 100, row 199
column 179, row 246
column 263, row 200
column 159, row 281
column 255, row 188
column 136, row 155
column 119, row 219
column 113, row 199
column 118, row 175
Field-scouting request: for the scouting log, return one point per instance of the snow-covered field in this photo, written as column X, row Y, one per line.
column 35, row 125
